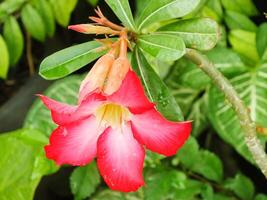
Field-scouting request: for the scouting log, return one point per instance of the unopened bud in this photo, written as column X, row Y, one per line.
column 92, row 29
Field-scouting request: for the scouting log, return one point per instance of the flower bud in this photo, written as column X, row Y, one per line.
column 92, row 29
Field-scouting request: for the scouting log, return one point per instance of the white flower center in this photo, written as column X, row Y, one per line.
column 113, row 115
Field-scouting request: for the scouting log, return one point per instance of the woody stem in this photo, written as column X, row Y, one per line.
column 238, row 105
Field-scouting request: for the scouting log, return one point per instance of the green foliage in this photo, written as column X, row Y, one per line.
column 235, row 20
column 93, row 2
column 84, row 180
column 14, row 39
column 68, row 60
column 261, row 40
column 4, row 61
column 156, row 90
column 113, row 195
column 22, row 148
column 242, row 6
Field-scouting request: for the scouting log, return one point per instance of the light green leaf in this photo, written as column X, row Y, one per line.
column 241, row 185
column 123, row 11
column 64, row 90
column 156, row 11
column 189, row 190
column 199, row 33
column 14, row 39
column 235, row 20
column 45, row 10
column 156, row 90
column 4, row 61
column 62, row 10
column 68, row 60
column 84, row 180
column 33, row 22
column 17, row 149
column 246, row 7
column 261, row 39
column 213, row 10
column 251, row 86
column 9, row 7
column 244, row 42
column 113, row 195
column 162, row 46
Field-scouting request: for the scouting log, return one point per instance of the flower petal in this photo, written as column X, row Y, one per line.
column 158, row 134
column 131, row 94
column 63, row 113
column 120, row 159
column 75, row 143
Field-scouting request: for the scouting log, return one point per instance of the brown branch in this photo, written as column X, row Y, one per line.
column 29, row 54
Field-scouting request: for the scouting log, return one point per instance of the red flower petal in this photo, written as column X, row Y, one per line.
column 120, row 159
column 131, row 94
column 158, row 134
column 75, row 143
column 63, row 114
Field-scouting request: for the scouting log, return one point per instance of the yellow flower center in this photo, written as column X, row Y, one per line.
column 113, row 115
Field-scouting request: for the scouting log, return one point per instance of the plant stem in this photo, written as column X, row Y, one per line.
column 238, row 105
column 29, row 54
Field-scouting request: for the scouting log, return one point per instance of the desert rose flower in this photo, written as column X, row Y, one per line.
column 112, row 124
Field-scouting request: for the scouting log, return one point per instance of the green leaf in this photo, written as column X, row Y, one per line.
column 4, row 61
column 261, row 197
column 113, row 195
column 33, row 22
column 123, row 11
column 162, row 46
column 213, row 10
column 84, row 180
column 244, row 42
column 14, row 39
column 251, row 86
column 45, row 10
column 199, row 33
column 93, row 2
column 156, row 90
column 190, row 189
column 156, row 11
column 235, row 20
column 68, row 60
column 261, row 39
column 241, row 185
column 246, row 7
column 62, row 10
column 17, row 150
column 64, row 90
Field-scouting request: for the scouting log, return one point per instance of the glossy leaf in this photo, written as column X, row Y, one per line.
column 251, row 86
column 261, row 39
column 199, row 33
column 20, row 148
column 33, row 22
column 162, row 46
column 14, row 39
column 64, row 90
column 45, row 10
column 246, row 7
column 156, row 90
column 235, row 20
column 123, row 11
column 241, row 185
column 68, row 60
column 62, row 10
column 84, row 180
column 244, row 42
column 156, row 11
column 4, row 61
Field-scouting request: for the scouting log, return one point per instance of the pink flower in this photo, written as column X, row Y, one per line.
column 114, row 129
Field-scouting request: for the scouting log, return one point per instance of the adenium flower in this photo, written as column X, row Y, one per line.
column 114, row 122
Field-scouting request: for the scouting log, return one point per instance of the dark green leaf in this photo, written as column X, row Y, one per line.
column 241, row 185
column 235, row 20
column 62, row 10
column 246, row 7
column 4, row 61
column 64, row 90
column 93, row 2
column 261, row 39
column 199, row 33
column 190, row 189
column 14, row 39
column 68, row 60
column 261, row 197
column 113, row 195
column 123, row 11
column 33, row 22
column 162, row 46
column 156, row 11
column 45, row 10
column 156, row 90
column 84, row 180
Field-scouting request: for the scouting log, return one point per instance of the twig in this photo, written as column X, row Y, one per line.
column 239, row 107
column 29, row 54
